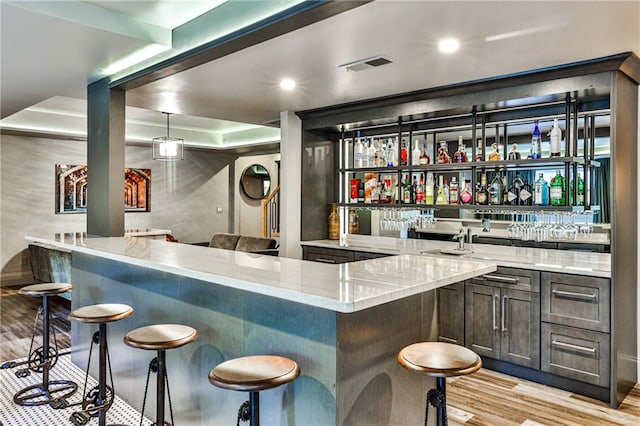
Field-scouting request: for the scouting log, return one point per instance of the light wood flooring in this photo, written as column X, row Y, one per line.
column 485, row 398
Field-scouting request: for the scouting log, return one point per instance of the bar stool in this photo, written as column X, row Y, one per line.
column 44, row 358
column 160, row 337
column 253, row 374
column 439, row 360
column 98, row 400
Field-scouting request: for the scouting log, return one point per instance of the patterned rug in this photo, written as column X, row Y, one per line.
column 12, row 414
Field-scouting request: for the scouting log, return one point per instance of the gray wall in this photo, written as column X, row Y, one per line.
column 184, row 196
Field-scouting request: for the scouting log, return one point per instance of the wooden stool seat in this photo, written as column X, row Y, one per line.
column 101, row 313
column 160, row 337
column 439, row 359
column 45, row 289
column 254, row 373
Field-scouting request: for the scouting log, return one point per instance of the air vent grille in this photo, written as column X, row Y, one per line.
column 363, row 64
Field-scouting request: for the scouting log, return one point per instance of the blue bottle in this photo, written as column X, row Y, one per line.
column 536, row 142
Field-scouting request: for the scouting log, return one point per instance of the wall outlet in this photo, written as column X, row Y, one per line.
column 218, row 209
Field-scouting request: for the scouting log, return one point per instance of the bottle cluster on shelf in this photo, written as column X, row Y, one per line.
column 372, row 152
column 444, row 189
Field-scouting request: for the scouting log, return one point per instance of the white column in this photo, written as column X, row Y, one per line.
column 290, row 184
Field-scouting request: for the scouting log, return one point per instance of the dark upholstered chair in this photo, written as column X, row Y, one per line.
column 224, row 241
column 246, row 244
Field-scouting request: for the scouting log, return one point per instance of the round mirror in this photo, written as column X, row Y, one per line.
column 255, row 182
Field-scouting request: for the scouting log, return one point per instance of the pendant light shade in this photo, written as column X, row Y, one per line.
column 167, row 148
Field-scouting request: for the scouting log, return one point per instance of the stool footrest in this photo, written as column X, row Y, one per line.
column 35, row 395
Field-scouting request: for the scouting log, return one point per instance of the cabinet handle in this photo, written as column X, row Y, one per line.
column 511, row 280
column 324, row 260
column 495, row 324
column 574, row 347
column 571, row 294
column 504, row 313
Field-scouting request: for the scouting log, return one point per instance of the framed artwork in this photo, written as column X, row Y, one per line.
column 71, row 189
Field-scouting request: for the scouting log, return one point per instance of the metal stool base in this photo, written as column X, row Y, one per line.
column 35, row 395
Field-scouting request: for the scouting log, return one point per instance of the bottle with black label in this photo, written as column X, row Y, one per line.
column 526, row 194
column 513, row 196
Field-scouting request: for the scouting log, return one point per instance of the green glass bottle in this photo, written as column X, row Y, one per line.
column 580, row 198
column 557, row 190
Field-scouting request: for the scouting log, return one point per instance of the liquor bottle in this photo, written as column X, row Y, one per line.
column 358, row 151
column 556, row 190
column 441, row 198
column 365, row 153
column 391, row 153
column 404, row 154
column 479, row 156
column 541, row 192
column 420, row 190
column 428, row 189
column 443, row 153
column 377, row 154
column 526, row 194
column 495, row 153
column 513, row 196
column 465, row 194
column 334, row 223
column 453, row 191
column 372, row 154
column 555, row 134
column 505, row 189
column 406, row 190
column 415, row 154
column 580, row 198
column 425, row 159
column 514, row 154
column 482, row 194
column 495, row 190
column 447, row 195
column 536, row 141
column 460, row 156
column 354, row 222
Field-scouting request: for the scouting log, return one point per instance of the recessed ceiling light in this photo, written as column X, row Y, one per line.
column 287, row 84
column 448, row 45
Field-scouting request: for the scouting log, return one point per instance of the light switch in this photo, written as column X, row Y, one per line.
column 218, row 209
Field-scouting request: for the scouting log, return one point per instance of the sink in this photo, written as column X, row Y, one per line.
column 451, row 252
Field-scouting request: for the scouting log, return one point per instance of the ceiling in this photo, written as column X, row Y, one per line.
column 498, row 37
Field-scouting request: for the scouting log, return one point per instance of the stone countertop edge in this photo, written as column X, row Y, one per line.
column 345, row 288
column 548, row 260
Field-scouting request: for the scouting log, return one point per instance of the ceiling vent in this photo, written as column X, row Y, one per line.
column 363, row 64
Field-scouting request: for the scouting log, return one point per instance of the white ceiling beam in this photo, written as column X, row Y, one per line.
column 96, row 17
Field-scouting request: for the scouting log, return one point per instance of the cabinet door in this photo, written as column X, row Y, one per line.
column 520, row 328
column 451, row 313
column 482, row 320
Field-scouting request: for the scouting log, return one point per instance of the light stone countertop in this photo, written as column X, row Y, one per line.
column 564, row 261
column 342, row 288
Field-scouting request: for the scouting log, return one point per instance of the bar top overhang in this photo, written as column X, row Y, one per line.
column 342, row 288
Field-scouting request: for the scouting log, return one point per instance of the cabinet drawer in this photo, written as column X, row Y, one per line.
column 317, row 254
column 577, row 301
column 517, row 279
column 576, row 354
column 363, row 255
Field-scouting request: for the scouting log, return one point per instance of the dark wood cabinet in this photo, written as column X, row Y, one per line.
column 504, row 323
column 451, row 313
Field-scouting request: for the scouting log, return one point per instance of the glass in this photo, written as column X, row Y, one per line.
column 255, row 182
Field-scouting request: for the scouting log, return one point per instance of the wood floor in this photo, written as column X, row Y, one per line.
column 17, row 316
column 485, row 398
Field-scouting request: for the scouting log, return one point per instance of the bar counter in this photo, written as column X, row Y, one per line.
column 343, row 324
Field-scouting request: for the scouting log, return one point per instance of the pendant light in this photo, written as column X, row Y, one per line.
column 167, row 148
